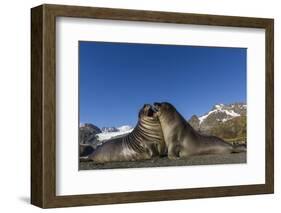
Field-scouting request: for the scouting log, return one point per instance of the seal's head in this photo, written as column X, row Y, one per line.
column 147, row 111
column 163, row 108
column 165, row 111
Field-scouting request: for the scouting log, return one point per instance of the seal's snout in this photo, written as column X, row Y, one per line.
column 146, row 110
column 150, row 112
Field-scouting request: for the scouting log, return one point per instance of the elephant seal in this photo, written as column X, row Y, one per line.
column 144, row 142
column 183, row 141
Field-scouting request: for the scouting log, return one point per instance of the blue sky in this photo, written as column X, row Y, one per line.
column 116, row 79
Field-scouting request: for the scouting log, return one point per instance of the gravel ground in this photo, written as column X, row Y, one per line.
column 234, row 158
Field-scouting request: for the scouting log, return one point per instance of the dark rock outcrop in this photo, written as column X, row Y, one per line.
column 87, row 133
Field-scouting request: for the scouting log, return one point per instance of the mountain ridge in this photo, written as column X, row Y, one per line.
column 227, row 121
column 91, row 134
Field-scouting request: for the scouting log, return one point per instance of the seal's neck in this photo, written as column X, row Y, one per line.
column 149, row 130
column 172, row 122
column 146, row 131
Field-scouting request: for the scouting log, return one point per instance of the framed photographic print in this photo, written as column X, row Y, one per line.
column 136, row 106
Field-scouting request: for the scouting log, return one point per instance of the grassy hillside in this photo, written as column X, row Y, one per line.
column 233, row 130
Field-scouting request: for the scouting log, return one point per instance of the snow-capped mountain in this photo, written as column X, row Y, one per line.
column 222, row 119
column 109, row 129
column 124, row 128
column 119, row 131
column 116, row 129
column 224, row 112
column 91, row 134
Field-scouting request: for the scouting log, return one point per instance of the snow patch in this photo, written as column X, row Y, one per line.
column 202, row 118
column 123, row 130
column 219, row 106
column 219, row 109
column 231, row 113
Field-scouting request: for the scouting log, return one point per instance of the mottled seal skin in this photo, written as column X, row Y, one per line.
column 183, row 141
column 144, row 142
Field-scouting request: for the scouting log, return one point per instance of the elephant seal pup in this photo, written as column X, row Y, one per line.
column 183, row 141
column 144, row 142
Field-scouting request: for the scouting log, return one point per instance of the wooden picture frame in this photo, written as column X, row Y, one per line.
column 43, row 105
